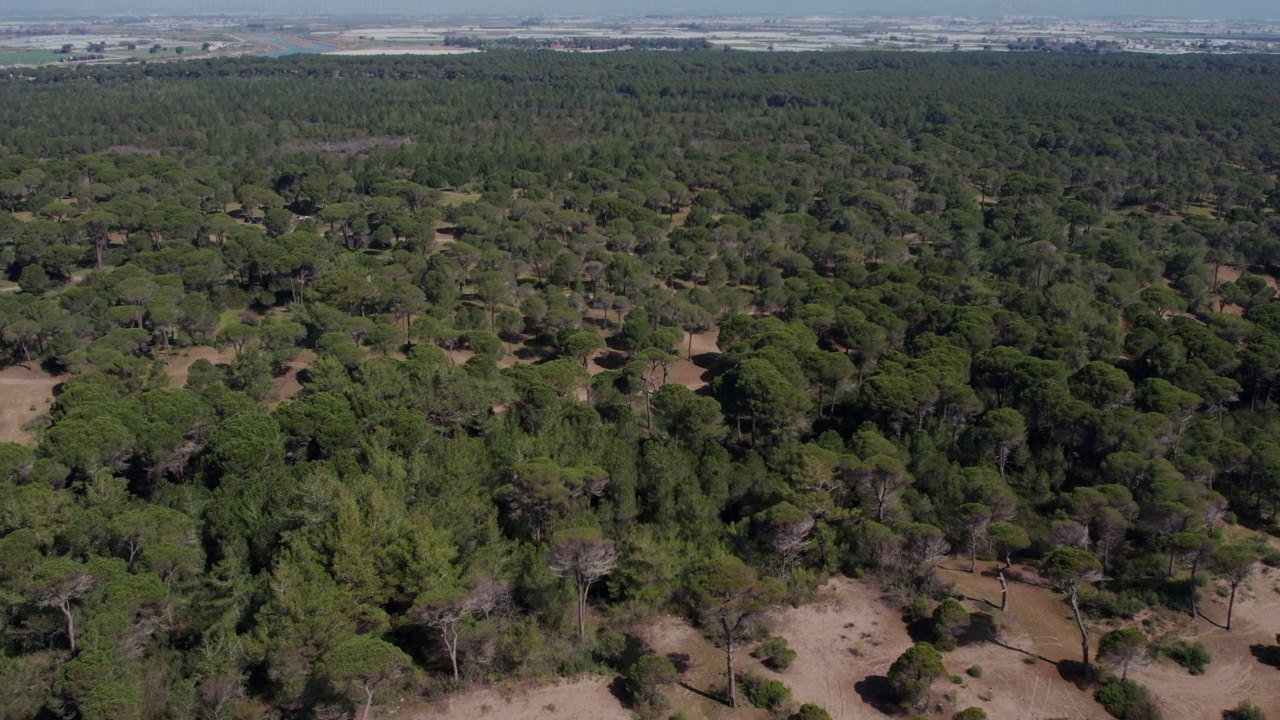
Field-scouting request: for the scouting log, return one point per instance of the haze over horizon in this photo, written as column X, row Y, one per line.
column 1232, row 9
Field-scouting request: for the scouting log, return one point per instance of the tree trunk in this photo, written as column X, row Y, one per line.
column 973, row 554
column 1231, row 606
column 368, row 702
column 728, row 654
column 65, row 607
column 452, row 646
column 1004, row 593
column 582, row 612
column 1192, row 591
column 1084, row 631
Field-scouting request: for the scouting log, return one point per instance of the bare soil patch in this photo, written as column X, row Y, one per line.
column 586, row 698
column 1235, row 673
column 182, row 360
column 24, row 395
column 287, row 386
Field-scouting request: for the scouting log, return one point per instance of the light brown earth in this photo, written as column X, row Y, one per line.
column 846, row 641
column 182, row 360
column 287, row 386
column 1235, row 673
column 25, row 394
column 583, row 699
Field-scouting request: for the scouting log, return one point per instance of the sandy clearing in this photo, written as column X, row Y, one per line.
column 839, row 643
column 182, row 360
column 1232, row 273
column 1235, row 674
column 703, row 667
column 287, row 386
column 24, row 395
column 850, row 637
column 586, row 698
column 1022, row 677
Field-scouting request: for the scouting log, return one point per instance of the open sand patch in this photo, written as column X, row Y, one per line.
column 25, row 394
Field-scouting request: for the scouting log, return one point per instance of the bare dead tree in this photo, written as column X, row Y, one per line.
column 66, row 581
column 585, row 557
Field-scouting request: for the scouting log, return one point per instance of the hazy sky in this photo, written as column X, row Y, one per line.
column 1161, row 8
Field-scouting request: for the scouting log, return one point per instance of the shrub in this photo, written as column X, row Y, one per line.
column 919, row 607
column 809, row 711
column 768, row 694
column 1104, row 604
column 949, row 620
column 775, row 654
column 1127, row 700
column 1192, row 656
column 974, row 671
column 973, row 713
column 912, row 675
column 646, row 678
column 610, row 650
column 1245, row 711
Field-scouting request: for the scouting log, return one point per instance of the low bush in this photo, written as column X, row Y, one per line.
column 1245, row 711
column 809, row 711
column 1194, row 657
column 1104, row 604
column 1127, row 700
column 775, row 654
column 974, row 671
column 973, row 713
column 768, row 694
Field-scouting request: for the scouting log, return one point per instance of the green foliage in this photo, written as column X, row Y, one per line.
column 949, row 620
column 763, row 693
column 1246, row 710
column 913, row 674
column 809, row 711
column 1127, row 700
column 939, row 328
column 1123, row 648
column 1193, row 656
column 774, row 653
column 646, row 678
column 974, row 671
column 973, row 713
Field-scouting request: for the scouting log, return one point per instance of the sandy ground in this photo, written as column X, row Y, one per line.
column 1023, row 676
column 182, row 360
column 839, row 643
column 287, row 386
column 1235, row 674
column 1231, row 273
column 24, row 395
column 584, row 699
column 847, row 639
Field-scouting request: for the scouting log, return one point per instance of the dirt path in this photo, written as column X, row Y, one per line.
column 24, row 395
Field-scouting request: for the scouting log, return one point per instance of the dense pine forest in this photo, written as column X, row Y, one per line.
column 378, row 380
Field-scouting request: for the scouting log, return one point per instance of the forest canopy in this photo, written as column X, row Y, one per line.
column 503, row 353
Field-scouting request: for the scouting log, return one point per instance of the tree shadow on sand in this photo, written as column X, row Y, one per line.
column 1266, row 654
column 1077, row 673
column 876, row 691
